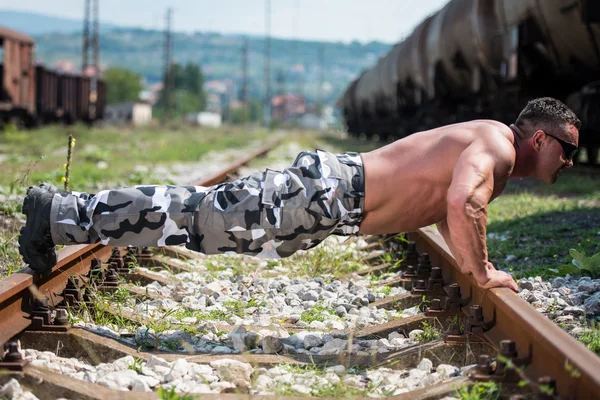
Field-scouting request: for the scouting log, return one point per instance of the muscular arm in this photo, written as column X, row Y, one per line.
column 467, row 198
column 444, row 230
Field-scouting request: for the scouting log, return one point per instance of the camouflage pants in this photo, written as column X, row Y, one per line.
column 268, row 214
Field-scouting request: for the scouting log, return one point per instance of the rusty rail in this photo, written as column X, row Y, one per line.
column 19, row 290
column 548, row 349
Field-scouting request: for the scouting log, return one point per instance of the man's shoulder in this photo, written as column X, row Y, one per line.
column 494, row 133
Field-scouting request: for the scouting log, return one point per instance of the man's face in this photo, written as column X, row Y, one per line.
column 559, row 152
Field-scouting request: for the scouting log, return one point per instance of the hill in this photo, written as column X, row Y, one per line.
column 39, row 24
column 294, row 63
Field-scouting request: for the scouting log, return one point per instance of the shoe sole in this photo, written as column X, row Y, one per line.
column 27, row 231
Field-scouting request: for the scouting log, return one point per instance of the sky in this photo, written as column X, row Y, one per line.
column 325, row 20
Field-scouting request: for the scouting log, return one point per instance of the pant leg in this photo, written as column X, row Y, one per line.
column 138, row 216
column 269, row 214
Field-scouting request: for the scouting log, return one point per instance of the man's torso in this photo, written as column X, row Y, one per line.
column 407, row 181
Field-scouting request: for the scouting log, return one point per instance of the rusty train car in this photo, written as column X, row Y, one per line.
column 32, row 94
column 483, row 59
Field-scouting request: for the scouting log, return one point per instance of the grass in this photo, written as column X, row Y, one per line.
column 479, row 391
column 109, row 156
column 429, row 334
column 538, row 224
column 338, row 390
column 320, row 261
column 163, row 394
column 317, row 313
column 591, row 338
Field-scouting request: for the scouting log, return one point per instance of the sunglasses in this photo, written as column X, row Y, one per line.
column 569, row 149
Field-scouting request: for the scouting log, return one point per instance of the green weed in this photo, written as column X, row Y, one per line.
column 317, row 313
column 429, row 334
column 163, row 394
column 479, row 391
column 591, row 338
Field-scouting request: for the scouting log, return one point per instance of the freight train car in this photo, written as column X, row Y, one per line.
column 483, row 59
column 33, row 94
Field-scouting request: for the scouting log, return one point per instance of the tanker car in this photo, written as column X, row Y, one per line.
column 32, row 94
column 483, row 59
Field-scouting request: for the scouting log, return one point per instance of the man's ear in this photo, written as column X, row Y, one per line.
column 537, row 139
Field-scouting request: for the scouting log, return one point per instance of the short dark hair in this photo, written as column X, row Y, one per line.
column 546, row 113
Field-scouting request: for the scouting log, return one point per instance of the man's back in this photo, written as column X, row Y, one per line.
column 407, row 181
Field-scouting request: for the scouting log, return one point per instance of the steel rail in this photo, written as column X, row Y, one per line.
column 549, row 350
column 19, row 290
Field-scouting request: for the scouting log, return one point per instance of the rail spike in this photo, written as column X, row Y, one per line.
column 11, row 358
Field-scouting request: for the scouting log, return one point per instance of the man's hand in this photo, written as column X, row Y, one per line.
column 499, row 279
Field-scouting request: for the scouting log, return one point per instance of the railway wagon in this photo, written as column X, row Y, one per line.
column 17, row 76
column 34, row 94
column 46, row 94
column 483, row 59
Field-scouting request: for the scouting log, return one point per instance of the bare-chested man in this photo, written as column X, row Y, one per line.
column 445, row 176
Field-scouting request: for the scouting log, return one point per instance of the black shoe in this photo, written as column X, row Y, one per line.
column 35, row 243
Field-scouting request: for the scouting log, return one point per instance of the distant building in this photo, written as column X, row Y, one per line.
column 287, row 107
column 204, row 118
column 312, row 121
column 131, row 113
column 151, row 93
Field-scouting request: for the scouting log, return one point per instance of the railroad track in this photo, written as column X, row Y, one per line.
column 508, row 340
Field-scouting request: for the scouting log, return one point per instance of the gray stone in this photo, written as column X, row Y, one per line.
column 233, row 371
column 311, row 341
column 563, row 319
column 588, row 287
column 340, row 311
column 337, row 369
column 525, row 284
column 558, row 282
column 339, row 335
column 535, row 296
column 574, row 310
column 564, row 291
column 271, row 345
column 524, row 294
column 447, row 371
column 221, row 350
column 237, row 337
column 222, row 387
column 251, row 340
column 140, row 385
column 574, row 299
column 425, row 365
column 592, row 304
column 577, row 331
column 414, row 333
column 263, row 381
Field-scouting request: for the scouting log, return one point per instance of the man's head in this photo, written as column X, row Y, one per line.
column 550, row 130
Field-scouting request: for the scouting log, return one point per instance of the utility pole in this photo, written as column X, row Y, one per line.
column 91, row 39
column 168, row 69
column 244, row 88
column 281, row 84
column 267, row 101
column 96, row 51
column 86, row 36
column 320, row 99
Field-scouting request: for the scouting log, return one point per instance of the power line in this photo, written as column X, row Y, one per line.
column 96, row 51
column 267, row 101
column 244, row 88
column 91, row 42
column 168, row 68
column 281, row 84
column 86, row 36
column 320, row 99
